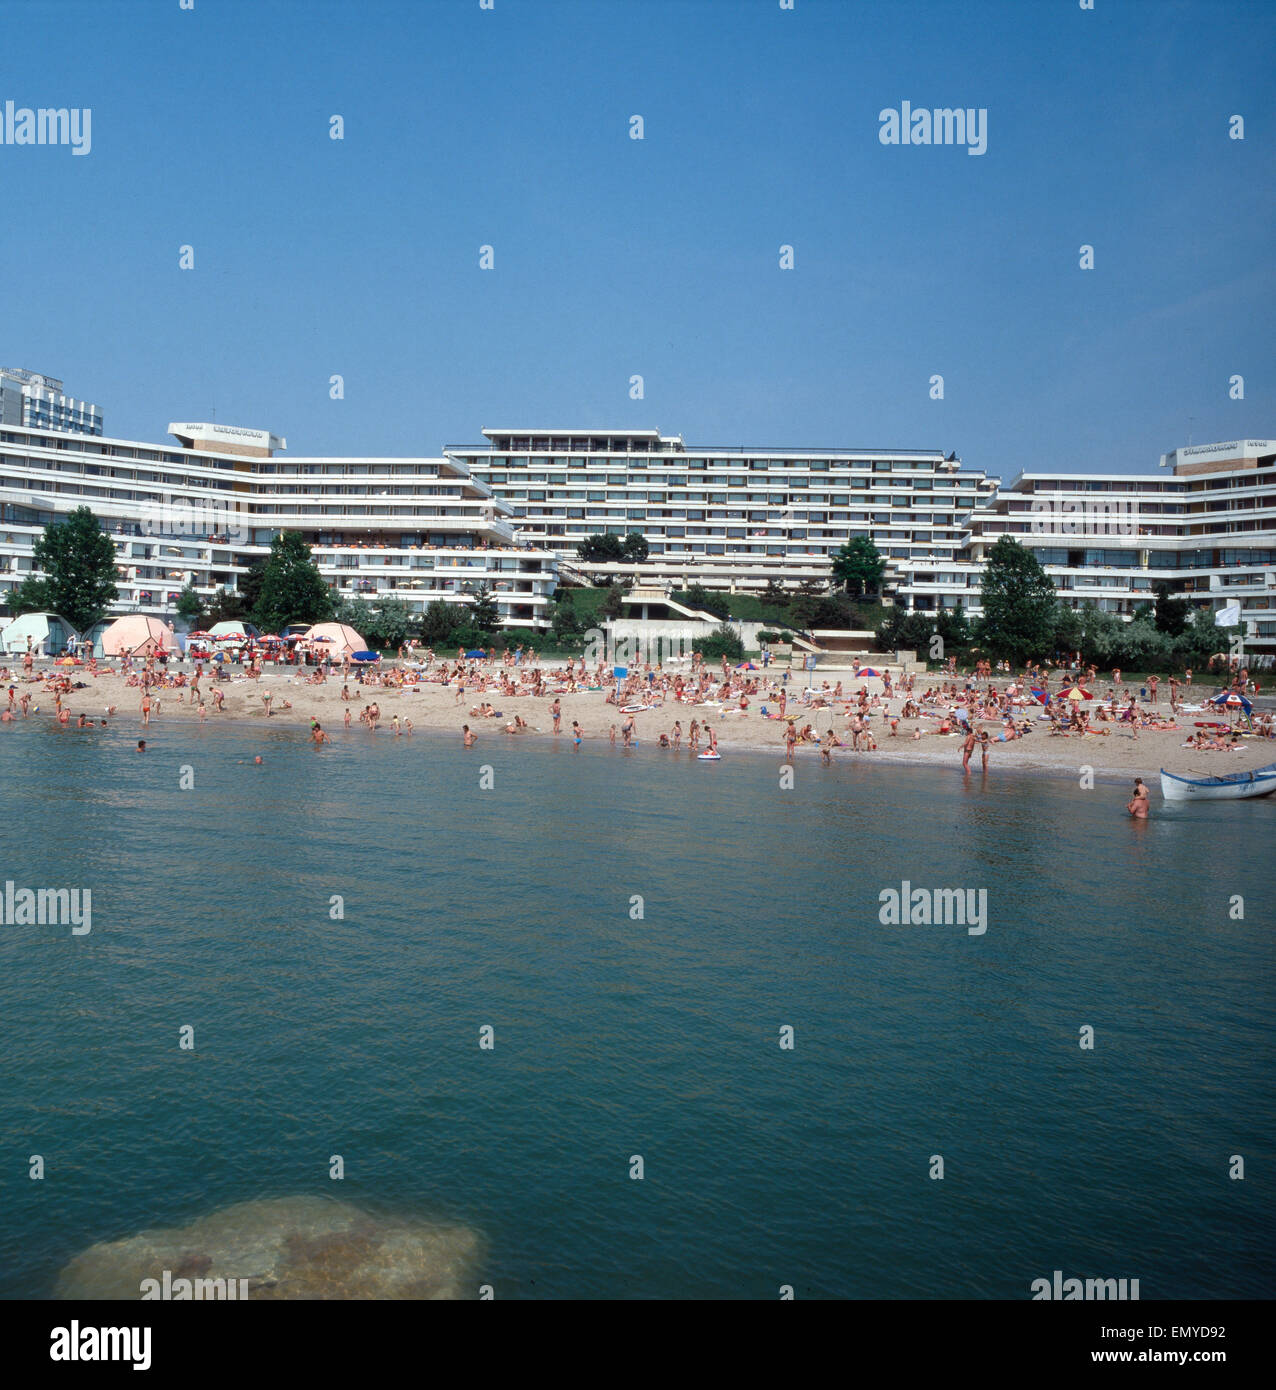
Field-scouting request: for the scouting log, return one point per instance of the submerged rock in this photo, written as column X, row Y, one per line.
column 285, row 1247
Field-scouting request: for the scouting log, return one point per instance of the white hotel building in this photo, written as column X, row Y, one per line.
column 734, row 518
column 202, row 509
column 1206, row 526
column 508, row 514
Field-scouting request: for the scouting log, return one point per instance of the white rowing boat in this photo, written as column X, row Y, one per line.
column 1234, row 786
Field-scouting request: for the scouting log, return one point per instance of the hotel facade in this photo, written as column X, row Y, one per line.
column 200, row 511
column 507, row 515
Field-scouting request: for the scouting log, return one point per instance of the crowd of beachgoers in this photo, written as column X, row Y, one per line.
column 1032, row 716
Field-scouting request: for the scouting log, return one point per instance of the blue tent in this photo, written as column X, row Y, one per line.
column 477, row 655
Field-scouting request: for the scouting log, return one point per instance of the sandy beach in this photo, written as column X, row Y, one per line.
column 432, row 705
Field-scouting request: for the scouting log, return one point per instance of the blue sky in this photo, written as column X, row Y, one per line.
column 658, row 257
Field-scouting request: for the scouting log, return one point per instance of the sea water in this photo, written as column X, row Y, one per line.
column 686, row 974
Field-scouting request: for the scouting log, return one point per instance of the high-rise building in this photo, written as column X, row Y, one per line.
column 28, row 398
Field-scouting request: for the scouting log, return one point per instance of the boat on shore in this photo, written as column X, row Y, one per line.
column 1231, row 787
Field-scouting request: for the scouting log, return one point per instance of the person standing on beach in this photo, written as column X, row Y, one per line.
column 146, row 709
column 556, row 713
column 967, row 748
column 626, row 729
column 1139, row 802
column 985, row 743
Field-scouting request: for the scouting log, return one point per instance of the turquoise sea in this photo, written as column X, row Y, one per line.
column 618, row 1034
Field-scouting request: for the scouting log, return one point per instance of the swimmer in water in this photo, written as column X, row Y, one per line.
column 1140, row 802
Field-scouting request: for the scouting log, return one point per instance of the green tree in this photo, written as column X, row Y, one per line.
column 707, row 601
column 292, row 589
column 775, row 594
column 566, row 623
column 635, row 547
column 250, row 583
column 601, row 548
column 483, row 613
column 31, row 596
column 78, row 560
column 190, row 606
column 1019, row 603
column 723, row 641
column 439, row 624
column 383, row 622
column 1172, row 614
column 858, row 566
column 611, row 606
column 226, row 606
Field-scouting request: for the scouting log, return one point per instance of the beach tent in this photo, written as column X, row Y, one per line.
column 342, row 641
column 231, row 631
column 137, row 635
column 92, row 638
column 49, row 634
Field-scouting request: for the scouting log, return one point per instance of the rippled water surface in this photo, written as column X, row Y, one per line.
column 618, row 1035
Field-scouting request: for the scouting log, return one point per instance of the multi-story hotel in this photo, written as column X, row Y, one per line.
column 1206, row 527
column 508, row 515
column 733, row 518
column 202, row 510
column 27, row 398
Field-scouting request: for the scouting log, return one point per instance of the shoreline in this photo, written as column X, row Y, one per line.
column 434, row 713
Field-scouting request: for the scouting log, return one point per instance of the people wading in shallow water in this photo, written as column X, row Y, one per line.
column 1140, row 802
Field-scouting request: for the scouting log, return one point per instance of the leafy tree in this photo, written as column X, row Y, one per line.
column 601, row 548
column 723, row 641
column 708, row 601
column 1019, row 603
column 250, row 583
column 769, row 639
column 226, row 606
column 775, row 594
column 566, row 623
column 190, row 606
column 439, row 624
column 611, row 606
column 31, row 596
column 78, row 560
column 385, row 622
column 635, row 547
column 292, row 589
column 858, row 566
column 1201, row 639
column 1172, row 614
column 483, row 613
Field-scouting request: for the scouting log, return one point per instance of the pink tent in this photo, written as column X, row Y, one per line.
column 136, row 635
column 343, row 639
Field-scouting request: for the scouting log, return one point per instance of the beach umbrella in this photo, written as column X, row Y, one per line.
column 746, row 666
column 1076, row 693
column 1231, row 700
column 365, row 656
column 868, row 671
column 200, row 633
column 477, row 655
column 1042, row 697
column 320, row 639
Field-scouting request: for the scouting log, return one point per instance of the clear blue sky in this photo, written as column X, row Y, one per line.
column 657, row 257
